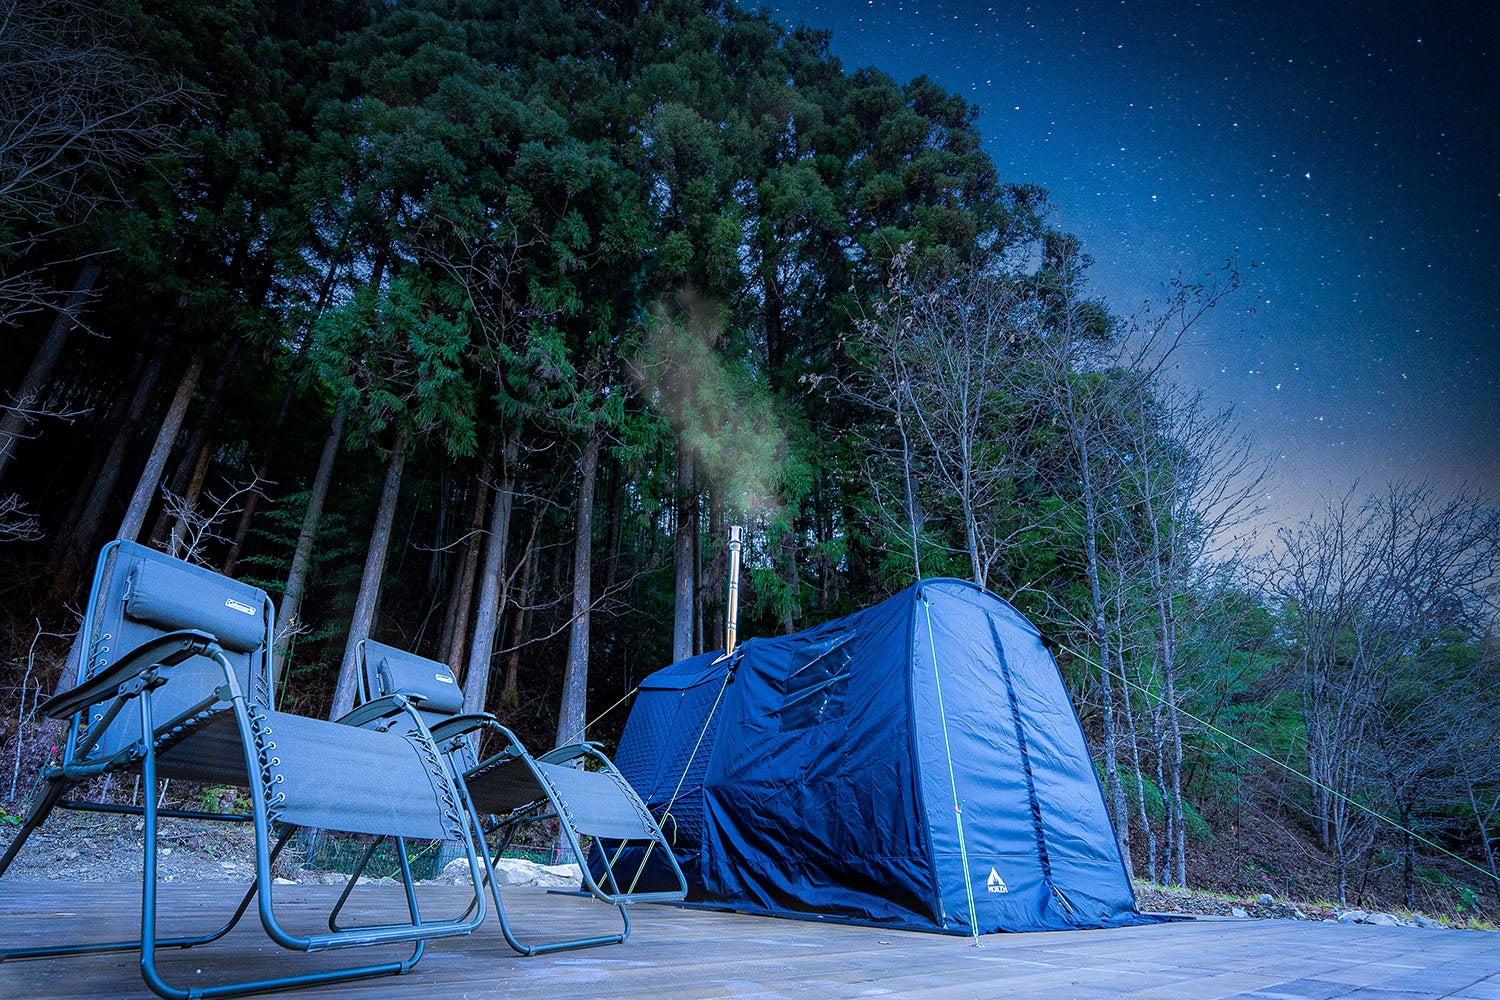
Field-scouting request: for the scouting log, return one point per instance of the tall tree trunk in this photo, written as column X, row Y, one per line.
column 1485, row 841
column 687, row 530
column 1174, row 722
column 98, row 448
column 263, row 468
column 197, row 442
column 438, row 553
column 79, row 536
column 1169, row 826
column 1101, row 632
column 370, row 580
column 520, row 620
column 156, row 462
column 18, row 417
column 492, row 580
column 1342, row 863
column 1316, row 772
column 1140, row 779
column 296, row 578
column 1408, row 860
column 1162, row 583
column 456, row 628
column 571, row 717
column 971, row 534
column 135, row 513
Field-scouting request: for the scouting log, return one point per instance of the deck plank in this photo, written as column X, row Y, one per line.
column 679, row 954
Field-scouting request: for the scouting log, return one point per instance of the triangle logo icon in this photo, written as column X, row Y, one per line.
column 995, row 883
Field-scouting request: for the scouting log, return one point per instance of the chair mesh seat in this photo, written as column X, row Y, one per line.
column 205, row 747
column 503, row 784
column 593, row 801
column 385, row 783
column 596, row 803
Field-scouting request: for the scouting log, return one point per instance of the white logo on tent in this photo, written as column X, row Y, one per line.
column 995, row 883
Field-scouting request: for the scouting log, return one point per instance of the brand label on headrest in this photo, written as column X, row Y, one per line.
column 234, row 605
column 446, row 679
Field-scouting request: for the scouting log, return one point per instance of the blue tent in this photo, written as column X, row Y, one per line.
column 917, row 764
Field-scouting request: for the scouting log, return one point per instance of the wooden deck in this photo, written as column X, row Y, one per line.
column 680, row 953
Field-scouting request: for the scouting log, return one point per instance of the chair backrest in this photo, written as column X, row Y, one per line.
column 139, row 594
column 386, row 670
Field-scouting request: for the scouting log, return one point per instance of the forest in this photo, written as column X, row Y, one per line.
column 472, row 325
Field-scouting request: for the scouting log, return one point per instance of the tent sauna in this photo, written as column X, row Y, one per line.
column 917, row 764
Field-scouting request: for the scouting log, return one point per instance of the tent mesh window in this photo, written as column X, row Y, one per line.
column 816, row 683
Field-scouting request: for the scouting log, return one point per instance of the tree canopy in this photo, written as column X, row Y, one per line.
column 471, row 325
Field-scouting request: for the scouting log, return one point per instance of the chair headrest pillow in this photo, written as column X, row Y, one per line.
column 172, row 597
column 400, row 672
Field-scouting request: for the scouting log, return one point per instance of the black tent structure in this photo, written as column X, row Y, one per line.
column 917, row 765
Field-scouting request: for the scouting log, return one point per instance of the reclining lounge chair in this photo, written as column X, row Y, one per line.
column 174, row 683
column 576, row 785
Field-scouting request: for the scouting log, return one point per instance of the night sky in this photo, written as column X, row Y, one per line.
column 1347, row 151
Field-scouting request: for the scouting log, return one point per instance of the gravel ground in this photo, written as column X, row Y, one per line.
column 101, row 847
column 1167, row 899
column 85, row 847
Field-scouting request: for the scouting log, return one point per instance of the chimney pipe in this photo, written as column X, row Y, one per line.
column 736, row 540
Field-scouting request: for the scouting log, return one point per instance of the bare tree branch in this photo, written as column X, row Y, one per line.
column 17, row 524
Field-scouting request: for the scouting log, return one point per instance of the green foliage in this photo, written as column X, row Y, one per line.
column 220, row 799
column 397, row 359
column 497, row 222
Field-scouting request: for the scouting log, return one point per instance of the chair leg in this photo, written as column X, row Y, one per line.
column 105, row 947
column 406, row 880
column 42, row 804
column 497, row 853
column 359, row 869
column 409, row 885
column 516, row 944
column 149, row 944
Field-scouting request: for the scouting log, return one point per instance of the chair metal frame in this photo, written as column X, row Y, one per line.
column 136, row 678
column 457, row 735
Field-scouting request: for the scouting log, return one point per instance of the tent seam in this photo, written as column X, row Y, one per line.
column 928, row 851
column 958, row 815
column 1033, row 803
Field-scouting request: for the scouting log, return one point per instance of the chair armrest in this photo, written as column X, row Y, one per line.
column 461, row 725
column 372, row 711
column 163, row 651
column 569, row 753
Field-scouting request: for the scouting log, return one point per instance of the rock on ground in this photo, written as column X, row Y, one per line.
column 515, row 871
column 1174, row 899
